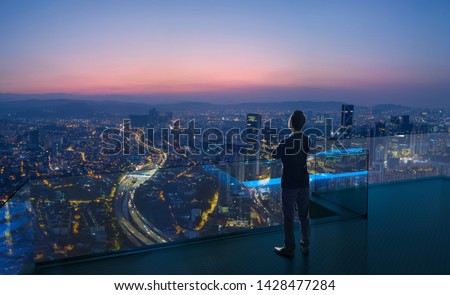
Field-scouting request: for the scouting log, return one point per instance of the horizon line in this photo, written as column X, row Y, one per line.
column 185, row 102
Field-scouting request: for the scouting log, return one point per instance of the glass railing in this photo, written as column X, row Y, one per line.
column 64, row 217
column 404, row 157
column 341, row 181
column 16, row 235
column 70, row 217
column 11, row 189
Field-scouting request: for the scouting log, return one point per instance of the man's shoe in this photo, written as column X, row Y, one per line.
column 282, row 251
column 304, row 249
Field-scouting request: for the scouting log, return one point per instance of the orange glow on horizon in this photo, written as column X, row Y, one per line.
column 86, row 76
column 96, row 74
column 101, row 87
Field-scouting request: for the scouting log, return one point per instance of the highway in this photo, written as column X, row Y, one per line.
column 138, row 229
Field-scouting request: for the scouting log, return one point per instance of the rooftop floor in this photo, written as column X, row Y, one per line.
column 407, row 232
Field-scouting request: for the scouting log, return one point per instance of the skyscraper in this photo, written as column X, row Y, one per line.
column 380, row 129
column 328, row 127
column 153, row 116
column 56, row 148
column 347, row 119
column 405, row 126
column 253, row 132
column 253, row 137
column 254, row 121
column 400, row 125
column 149, row 120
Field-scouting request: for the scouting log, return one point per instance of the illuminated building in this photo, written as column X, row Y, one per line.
column 253, row 134
column 380, row 129
column 347, row 119
column 328, row 127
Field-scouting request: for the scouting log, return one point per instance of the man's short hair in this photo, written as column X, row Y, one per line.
column 298, row 120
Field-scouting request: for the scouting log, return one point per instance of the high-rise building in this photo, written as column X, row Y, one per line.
column 150, row 120
column 405, row 126
column 56, row 148
column 347, row 119
column 380, row 129
column 328, row 127
column 153, row 116
column 400, row 125
column 253, row 131
column 253, row 137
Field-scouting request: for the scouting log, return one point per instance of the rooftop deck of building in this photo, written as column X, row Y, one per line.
column 406, row 232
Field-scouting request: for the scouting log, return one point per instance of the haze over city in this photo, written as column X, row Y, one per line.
column 228, row 51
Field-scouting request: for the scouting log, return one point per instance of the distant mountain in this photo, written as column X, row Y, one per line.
column 388, row 107
column 62, row 106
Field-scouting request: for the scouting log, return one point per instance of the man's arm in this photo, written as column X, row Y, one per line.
column 279, row 151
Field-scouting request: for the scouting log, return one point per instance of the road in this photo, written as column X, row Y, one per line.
column 138, row 229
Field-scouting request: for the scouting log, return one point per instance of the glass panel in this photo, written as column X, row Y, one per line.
column 65, row 217
column 341, row 179
column 404, row 157
column 16, row 234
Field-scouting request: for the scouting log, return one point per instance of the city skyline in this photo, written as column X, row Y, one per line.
column 365, row 54
column 85, row 201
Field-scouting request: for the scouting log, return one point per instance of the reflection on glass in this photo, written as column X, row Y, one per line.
column 78, row 216
column 64, row 217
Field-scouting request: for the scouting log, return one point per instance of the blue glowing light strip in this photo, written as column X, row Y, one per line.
column 312, row 177
column 340, row 152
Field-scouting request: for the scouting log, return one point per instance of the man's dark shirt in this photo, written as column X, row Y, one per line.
column 293, row 153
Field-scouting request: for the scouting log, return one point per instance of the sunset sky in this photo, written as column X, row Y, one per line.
column 357, row 51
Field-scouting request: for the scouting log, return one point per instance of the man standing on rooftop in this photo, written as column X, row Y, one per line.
column 294, row 185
